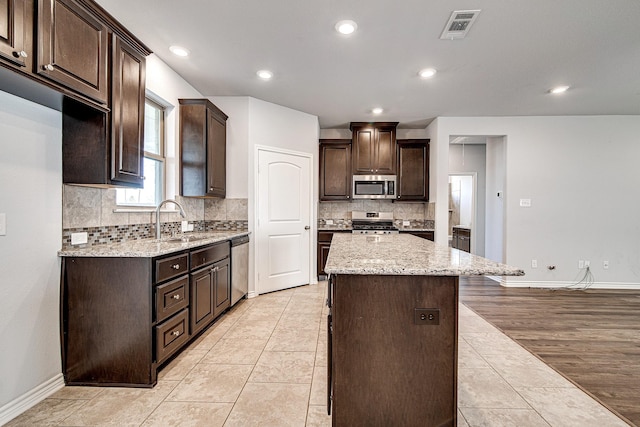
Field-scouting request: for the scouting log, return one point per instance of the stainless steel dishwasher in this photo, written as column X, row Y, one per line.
column 239, row 268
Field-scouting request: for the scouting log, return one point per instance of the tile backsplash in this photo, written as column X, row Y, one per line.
column 340, row 212
column 94, row 211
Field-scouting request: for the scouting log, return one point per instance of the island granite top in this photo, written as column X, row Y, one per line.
column 404, row 254
column 151, row 247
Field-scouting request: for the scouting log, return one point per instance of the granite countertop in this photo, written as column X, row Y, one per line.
column 151, row 247
column 404, row 254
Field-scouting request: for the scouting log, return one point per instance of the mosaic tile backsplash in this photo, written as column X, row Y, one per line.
column 122, row 233
column 94, row 211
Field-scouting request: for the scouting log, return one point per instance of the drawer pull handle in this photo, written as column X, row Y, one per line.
column 176, row 266
column 176, row 333
column 176, row 296
column 21, row 54
column 48, row 67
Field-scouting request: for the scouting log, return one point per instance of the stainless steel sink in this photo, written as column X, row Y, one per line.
column 184, row 239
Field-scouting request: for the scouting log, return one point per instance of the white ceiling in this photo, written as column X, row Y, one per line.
column 514, row 53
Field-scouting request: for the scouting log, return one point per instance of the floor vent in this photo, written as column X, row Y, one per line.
column 459, row 24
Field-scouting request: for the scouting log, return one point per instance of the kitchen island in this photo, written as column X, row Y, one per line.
column 393, row 326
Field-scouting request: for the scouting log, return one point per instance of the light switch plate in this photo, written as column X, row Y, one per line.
column 328, row 221
column 525, row 203
column 184, row 226
column 405, row 223
column 3, row 224
column 79, row 238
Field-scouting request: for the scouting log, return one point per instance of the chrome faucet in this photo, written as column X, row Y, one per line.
column 182, row 214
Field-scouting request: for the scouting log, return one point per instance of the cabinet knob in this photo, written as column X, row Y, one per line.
column 211, row 189
column 48, row 67
column 176, row 296
column 21, row 54
column 176, row 266
column 348, row 197
column 175, row 333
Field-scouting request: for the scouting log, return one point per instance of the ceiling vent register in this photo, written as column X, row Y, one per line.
column 459, row 24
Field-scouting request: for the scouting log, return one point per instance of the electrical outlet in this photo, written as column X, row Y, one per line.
column 534, row 263
column 605, row 265
column 525, row 203
column 405, row 223
column 79, row 238
column 581, row 264
column 328, row 221
column 184, row 226
column 3, row 224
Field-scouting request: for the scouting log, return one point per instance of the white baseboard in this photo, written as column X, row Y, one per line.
column 31, row 398
column 252, row 294
column 569, row 285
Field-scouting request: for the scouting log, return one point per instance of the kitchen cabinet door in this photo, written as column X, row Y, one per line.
column 202, row 297
column 14, row 25
column 335, row 169
column 413, row 170
column 374, row 148
column 127, row 114
column 73, row 48
column 222, row 286
column 202, row 149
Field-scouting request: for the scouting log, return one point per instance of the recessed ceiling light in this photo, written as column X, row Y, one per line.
column 179, row 51
column 265, row 74
column 559, row 89
column 377, row 110
column 346, row 27
column 427, row 73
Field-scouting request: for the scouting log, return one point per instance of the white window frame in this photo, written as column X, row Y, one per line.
column 160, row 192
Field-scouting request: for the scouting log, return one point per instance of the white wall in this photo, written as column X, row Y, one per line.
column 473, row 162
column 31, row 198
column 253, row 122
column 494, row 218
column 581, row 175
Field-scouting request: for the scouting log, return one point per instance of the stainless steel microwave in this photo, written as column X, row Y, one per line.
column 374, row 187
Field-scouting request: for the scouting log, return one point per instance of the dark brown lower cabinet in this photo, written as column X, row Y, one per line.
column 461, row 239
column 324, row 244
column 388, row 366
column 123, row 318
column 429, row 235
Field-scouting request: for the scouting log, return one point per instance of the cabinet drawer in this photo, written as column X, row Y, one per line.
column 171, row 334
column 209, row 254
column 166, row 268
column 172, row 297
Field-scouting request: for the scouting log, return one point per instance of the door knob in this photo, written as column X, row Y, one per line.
column 306, row 227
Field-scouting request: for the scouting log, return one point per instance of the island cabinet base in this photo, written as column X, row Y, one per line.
column 393, row 350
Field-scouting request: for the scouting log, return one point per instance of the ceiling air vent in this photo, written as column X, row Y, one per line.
column 459, row 24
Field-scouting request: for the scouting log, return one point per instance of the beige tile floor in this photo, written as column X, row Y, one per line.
column 264, row 364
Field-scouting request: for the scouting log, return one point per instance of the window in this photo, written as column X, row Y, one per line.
column 153, row 163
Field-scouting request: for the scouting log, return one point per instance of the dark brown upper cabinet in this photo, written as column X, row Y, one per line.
column 73, row 48
column 335, row 169
column 127, row 113
column 203, row 142
column 413, row 169
column 374, row 148
column 14, row 29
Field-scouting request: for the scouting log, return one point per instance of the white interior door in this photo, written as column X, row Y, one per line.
column 283, row 254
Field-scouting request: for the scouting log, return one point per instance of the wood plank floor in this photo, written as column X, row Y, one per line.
column 591, row 337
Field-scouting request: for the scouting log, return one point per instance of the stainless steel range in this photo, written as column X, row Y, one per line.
column 372, row 223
